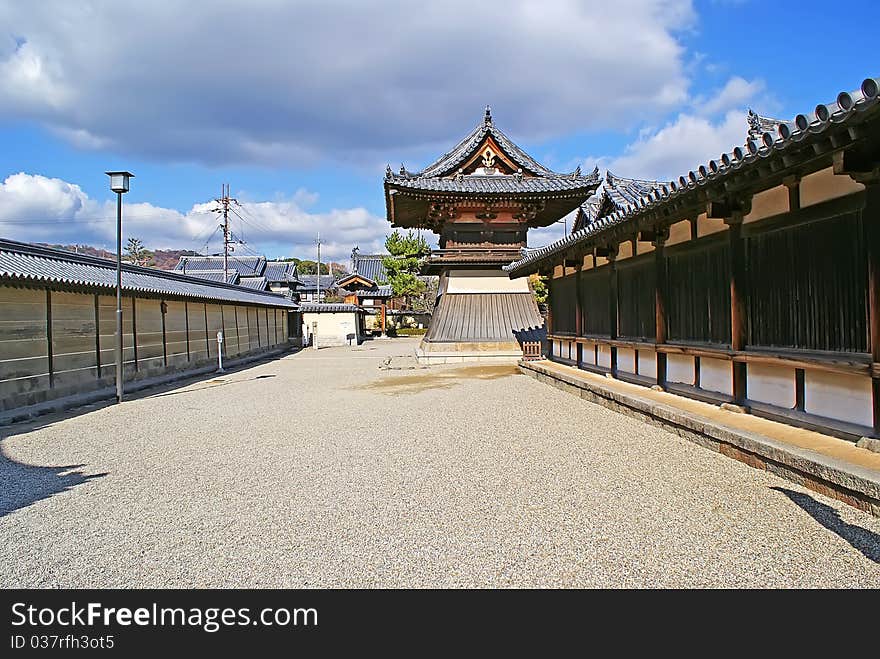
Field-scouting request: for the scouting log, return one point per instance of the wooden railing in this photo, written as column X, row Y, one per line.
column 532, row 351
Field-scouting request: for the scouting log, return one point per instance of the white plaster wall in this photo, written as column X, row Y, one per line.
column 705, row 226
column 485, row 281
column 679, row 232
column 839, row 396
column 626, row 360
column 716, row 375
column 589, row 353
column 624, row 250
column 680, row 368
column 771, row 384
column 605, row 356
column 768, row 203
column 824, row 185
column 648, row 363
column 333, row 328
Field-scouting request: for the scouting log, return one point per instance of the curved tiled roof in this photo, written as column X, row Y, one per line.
column 29, row 263
column 244, row 265
column 449, row 162
column 327, row 307
column 615, row 192
column 497, row 184
column 848, row 109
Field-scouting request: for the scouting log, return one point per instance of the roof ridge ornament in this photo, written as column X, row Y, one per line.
column 487, row 119
column 402, row 170
column 388, row 171
column 577, row 172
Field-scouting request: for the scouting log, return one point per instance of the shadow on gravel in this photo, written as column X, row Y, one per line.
column 25, row 484
column 867, row 542
column 218, row 381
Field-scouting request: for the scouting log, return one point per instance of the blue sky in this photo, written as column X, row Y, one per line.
column 300, row 105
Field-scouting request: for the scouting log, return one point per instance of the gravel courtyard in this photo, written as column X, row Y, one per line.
column 322, row 470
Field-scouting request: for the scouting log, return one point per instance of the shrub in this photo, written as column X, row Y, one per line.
column 411, row 331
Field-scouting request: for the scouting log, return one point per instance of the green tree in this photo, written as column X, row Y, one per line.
column 539, row 288
column 402, row 266
column 137, row 253
column 307, row 267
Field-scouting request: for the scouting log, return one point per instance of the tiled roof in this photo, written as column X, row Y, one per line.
column 485, row 317
column 325, row 307
column 29, row 263
column 847, row 111
column 244, row 265
column 368, row 265
column 256, row 283
column 496, row 184
column 280, row 271
column 449, row 162
column 213, row 275
column 380, row 291
column 309, row 282
column 615, row 193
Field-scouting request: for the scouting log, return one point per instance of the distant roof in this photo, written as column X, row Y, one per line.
column 615, row 193
column 280, row 271
column 244, row 265
column 23, row 262
column 309, row 282
column 368, row 265
column 214, row 275
column 314, row 307
column 380, row 291
column 256, row 283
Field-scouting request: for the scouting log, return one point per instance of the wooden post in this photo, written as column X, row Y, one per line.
column 134, row 336
column 612, row 304
column 97, row 336
column 186, row 321
column 49, row 349
column 738, row 301
column 871, row 224
column 660, row 301
column 163, row 308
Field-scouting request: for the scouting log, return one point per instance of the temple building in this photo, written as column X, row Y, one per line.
column 614, row 194
column 752, row 280
column 481, row 198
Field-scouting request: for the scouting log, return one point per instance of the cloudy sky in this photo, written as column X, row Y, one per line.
column 300, row 105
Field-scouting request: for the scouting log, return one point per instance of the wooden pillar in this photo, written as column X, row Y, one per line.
column 134, row 336
column 163, row 307
column 207, row 337
column 738, row 304
column 97, row 335
column 660, row 302
column 186, row 321
column 612, row 304
column 871, row 224
column 49, row 349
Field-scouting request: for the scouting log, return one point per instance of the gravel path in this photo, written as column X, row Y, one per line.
column 321, row 469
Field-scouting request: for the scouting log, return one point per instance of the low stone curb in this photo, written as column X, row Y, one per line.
column 852, row 484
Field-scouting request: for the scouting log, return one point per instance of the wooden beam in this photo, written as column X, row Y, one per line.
column 612, row 305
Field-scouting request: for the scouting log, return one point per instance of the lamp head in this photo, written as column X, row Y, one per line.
column 119, row 181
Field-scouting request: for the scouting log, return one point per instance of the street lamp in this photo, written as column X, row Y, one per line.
column 119, row 183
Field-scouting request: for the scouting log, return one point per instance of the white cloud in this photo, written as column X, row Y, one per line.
column 262, row 81
column 715, row 124
column 35, row 208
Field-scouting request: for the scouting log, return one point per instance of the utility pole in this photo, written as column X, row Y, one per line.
column 318, row 280
column 224, row 202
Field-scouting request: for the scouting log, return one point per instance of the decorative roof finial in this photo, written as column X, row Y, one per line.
column 387, row 171
column 488, row 118
column 402, row 169
column 577, row 172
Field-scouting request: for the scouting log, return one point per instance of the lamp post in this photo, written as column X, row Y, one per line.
column 119, row 183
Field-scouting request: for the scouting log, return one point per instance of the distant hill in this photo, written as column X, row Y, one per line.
column 163, row 259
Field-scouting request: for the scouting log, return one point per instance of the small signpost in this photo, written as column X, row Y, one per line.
column 220, row 351
column 315, row 335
